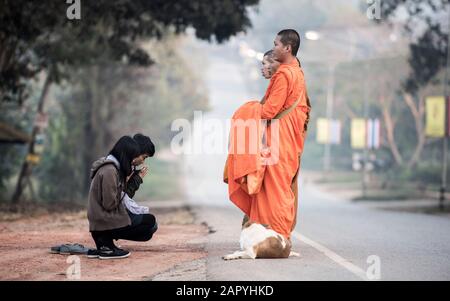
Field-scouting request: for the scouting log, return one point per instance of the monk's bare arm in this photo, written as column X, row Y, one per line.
column 276, row 99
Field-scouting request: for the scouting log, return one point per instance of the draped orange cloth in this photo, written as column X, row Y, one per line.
column 266, row 193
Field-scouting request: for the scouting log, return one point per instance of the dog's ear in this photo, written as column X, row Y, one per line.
column 245, row 220
column 247, row 224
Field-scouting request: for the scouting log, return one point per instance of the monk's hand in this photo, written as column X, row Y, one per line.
column 265, row 155
column 265, row 152
column 143, row 172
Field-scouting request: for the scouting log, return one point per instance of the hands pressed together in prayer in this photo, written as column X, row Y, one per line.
column 143, row 172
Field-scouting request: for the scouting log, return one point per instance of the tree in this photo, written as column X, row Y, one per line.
column 108, row 101
column 36, row 37
column 426, row 24
column 425, row 21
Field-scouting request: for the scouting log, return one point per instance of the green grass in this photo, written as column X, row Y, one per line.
column 340, row 177
column 398, row 189
column 387, row 195
column 161, row 183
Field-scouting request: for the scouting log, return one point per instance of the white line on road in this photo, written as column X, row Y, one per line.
column 332, row 255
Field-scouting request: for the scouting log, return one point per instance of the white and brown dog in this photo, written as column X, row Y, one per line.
column 258, row 241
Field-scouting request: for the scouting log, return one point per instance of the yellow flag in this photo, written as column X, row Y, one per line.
column 435, row 117
column 323, row 131
column 358, row 133
column 33, row 159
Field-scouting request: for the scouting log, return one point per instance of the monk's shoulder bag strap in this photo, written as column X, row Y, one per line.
column 288, row 110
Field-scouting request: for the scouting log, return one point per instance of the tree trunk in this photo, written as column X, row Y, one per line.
column 27, row 167
column 88, row 136
column 417, row 112
column 95, row 130
column 390, row 126
column 91, row 136
column 6, row 52
column 347, row 111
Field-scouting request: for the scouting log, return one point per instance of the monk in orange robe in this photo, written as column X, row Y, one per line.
column 259, row 185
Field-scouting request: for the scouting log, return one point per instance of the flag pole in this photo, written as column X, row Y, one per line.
column 329, row 113
column 444, row 167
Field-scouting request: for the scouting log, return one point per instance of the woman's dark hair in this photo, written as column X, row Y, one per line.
column 125, row 150
column 146, row 145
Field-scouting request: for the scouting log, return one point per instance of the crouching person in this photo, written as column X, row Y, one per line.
column 108, row 217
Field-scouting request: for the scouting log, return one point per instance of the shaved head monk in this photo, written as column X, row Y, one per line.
column 269, row 65
column 285, row 103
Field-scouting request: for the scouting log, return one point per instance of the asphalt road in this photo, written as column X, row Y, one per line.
column 337, row 239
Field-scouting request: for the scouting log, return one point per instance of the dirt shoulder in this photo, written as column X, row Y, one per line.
column 25, row 245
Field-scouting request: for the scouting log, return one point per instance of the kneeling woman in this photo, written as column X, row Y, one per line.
column 107, row 215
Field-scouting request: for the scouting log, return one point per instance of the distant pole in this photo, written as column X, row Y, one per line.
column 444, row 167
column 329, row 113
column 444, row 176
column 366, row 114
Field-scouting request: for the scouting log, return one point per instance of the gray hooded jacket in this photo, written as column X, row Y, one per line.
column 106, row 210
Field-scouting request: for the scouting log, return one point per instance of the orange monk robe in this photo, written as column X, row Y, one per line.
column 244, row 172
column 274, row 202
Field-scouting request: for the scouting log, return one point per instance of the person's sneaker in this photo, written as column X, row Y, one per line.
column 93, row 253
column 116, row 253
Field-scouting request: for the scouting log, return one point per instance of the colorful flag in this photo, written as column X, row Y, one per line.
column 335, row 132
column 33, row 159
column 358, row 133
column 323, row 131
column 435, row 117
column 328, row 131
column 373, row 133
column 448, row 117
